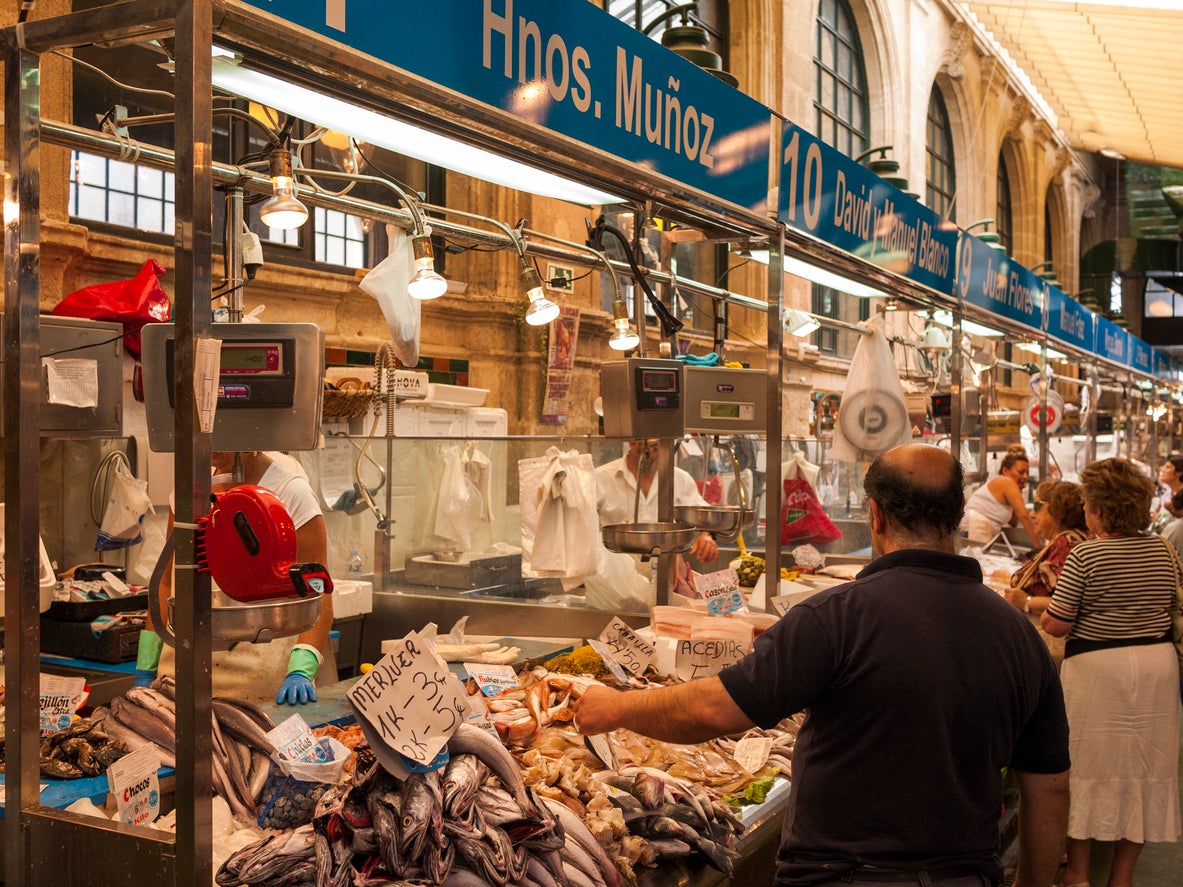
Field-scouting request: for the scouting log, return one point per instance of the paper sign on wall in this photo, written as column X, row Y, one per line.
column 410, row 701
column 135, row 785
column 704, row 658
column 633, row 654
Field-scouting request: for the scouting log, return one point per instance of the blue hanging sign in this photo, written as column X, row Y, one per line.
column 570, row 68
column 827, row 195
column 990, row 279
column 1141, row 356
column 1162, row 366
column 1112, row 343
column 1068, row 320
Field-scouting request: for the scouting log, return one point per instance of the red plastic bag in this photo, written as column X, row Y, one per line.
column 711, row 489
column 132, row 302
column 802, row 519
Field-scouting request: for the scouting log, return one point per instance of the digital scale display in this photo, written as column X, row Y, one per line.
column 717, row 409
column 659, row 380
column 254, row 358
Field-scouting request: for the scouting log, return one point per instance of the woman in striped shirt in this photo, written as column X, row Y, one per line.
column 1120, row 675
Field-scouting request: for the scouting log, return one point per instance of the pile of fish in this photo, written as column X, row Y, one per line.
column 82, row 749
column 474, row 824
column 147, row 716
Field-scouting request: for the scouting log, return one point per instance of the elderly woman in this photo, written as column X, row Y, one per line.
column 1059, row 518
column 999, row 502
column 1113, row 602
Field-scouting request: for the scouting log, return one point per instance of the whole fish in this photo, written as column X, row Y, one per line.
column 154, row 701
column 166, row 685
column 577, row 831
column 474, row 741
column 383, row 808
column 264, row 721
column 439, row 858
column 418, row 815
column 144, row 722
column 117, row 730
column 462, row 778
column 236, row 723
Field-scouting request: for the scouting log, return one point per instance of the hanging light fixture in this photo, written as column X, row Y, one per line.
column 625, row 338
column 542, row 310
column 801, row 323
column 282, row 210
column 427, row 282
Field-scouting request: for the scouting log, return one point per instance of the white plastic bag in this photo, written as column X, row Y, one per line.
column 387, row 282
column 559, row 523
column 127, row 503
column 873, row 416
column 459, row 506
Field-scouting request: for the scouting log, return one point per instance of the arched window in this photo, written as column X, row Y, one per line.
column 941, row 175
column 841, row 120
column 1003, row 222
column 840, row 93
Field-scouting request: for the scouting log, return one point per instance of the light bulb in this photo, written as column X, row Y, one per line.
column 427, row 282
column 625, row 338
column 283, row 210
column 542, row 310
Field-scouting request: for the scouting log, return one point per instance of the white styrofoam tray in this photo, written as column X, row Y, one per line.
column 47, row 580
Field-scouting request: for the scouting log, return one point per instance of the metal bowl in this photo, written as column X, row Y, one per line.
column 665, row 537
column 260, row 623
column 725, row 521
column 447, row 555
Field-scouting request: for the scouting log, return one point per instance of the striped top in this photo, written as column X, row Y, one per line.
column 1116, row 588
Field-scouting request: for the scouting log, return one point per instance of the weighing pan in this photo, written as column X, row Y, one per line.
column 664, row 537
column 873, row 421
column 725, row 521
column 260, row 623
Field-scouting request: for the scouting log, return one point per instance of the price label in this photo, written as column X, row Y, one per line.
column 704, row 658
column 410, row 701
column 752, row 751
column 633, row 654
column 609, row 658
column 60, row 699
column 135, row 785
column 781, row 603
column 492, row 679
column 721, row 604
column 294, row 741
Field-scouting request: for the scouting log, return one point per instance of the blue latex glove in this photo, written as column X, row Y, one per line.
column 144, row 678
column 295, row 690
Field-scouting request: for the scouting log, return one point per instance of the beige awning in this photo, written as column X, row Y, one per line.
column 1110, row 73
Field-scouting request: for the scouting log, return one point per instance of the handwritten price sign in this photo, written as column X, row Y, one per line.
column 633, row 654
column 704, row 658
column 410, row 700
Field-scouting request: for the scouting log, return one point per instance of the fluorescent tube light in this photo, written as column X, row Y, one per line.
column 813, row 273
column 394, row 135
column 1033, row 347
column 945, row 318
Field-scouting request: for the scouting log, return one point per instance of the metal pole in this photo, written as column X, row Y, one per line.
column 193, row 254
column 22, row 490
column 232, row 253
column 774, row 424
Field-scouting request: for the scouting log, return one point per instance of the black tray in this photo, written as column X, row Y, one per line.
column 67, row 637
column 85, row 611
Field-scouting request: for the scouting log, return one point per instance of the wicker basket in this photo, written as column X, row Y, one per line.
column 346, row 404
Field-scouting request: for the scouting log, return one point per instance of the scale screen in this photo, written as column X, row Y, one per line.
column 252, row 359
column 721, row 410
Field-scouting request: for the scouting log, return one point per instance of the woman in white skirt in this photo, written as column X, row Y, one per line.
column 1121, row 678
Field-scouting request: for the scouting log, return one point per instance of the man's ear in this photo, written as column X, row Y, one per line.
column 878, row 519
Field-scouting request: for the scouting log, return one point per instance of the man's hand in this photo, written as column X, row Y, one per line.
column 705, row 548
column 596, row 710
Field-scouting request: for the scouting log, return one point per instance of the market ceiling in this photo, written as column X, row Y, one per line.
column 1106, row 69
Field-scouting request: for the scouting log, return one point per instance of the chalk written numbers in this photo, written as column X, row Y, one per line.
column 135, row 786
column 60, row 698
column 633, row 654
column 411, row 700
column 704, row 658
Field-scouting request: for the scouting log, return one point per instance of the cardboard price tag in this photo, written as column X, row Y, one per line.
column 704, row 658
column 609, row 660
column 135, row 785
column 293, row 739
column 492, row 679
column 410, row 701
column 60, row 698
column 752, row 751
column 633, row 654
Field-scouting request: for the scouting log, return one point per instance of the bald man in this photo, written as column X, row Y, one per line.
column 921, row 683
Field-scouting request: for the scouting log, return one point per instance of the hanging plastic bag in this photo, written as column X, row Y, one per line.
column 134, row 303
column 802, row 518
column 458, row 507
column 873, row 416
column 387, row 283
column 560, row 526
column 127, row 503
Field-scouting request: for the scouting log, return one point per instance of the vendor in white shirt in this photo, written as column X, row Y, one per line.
column 616, row 493
column 284, row 669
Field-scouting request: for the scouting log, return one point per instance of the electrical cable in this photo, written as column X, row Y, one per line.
column 105, row 75
column 669, row 324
